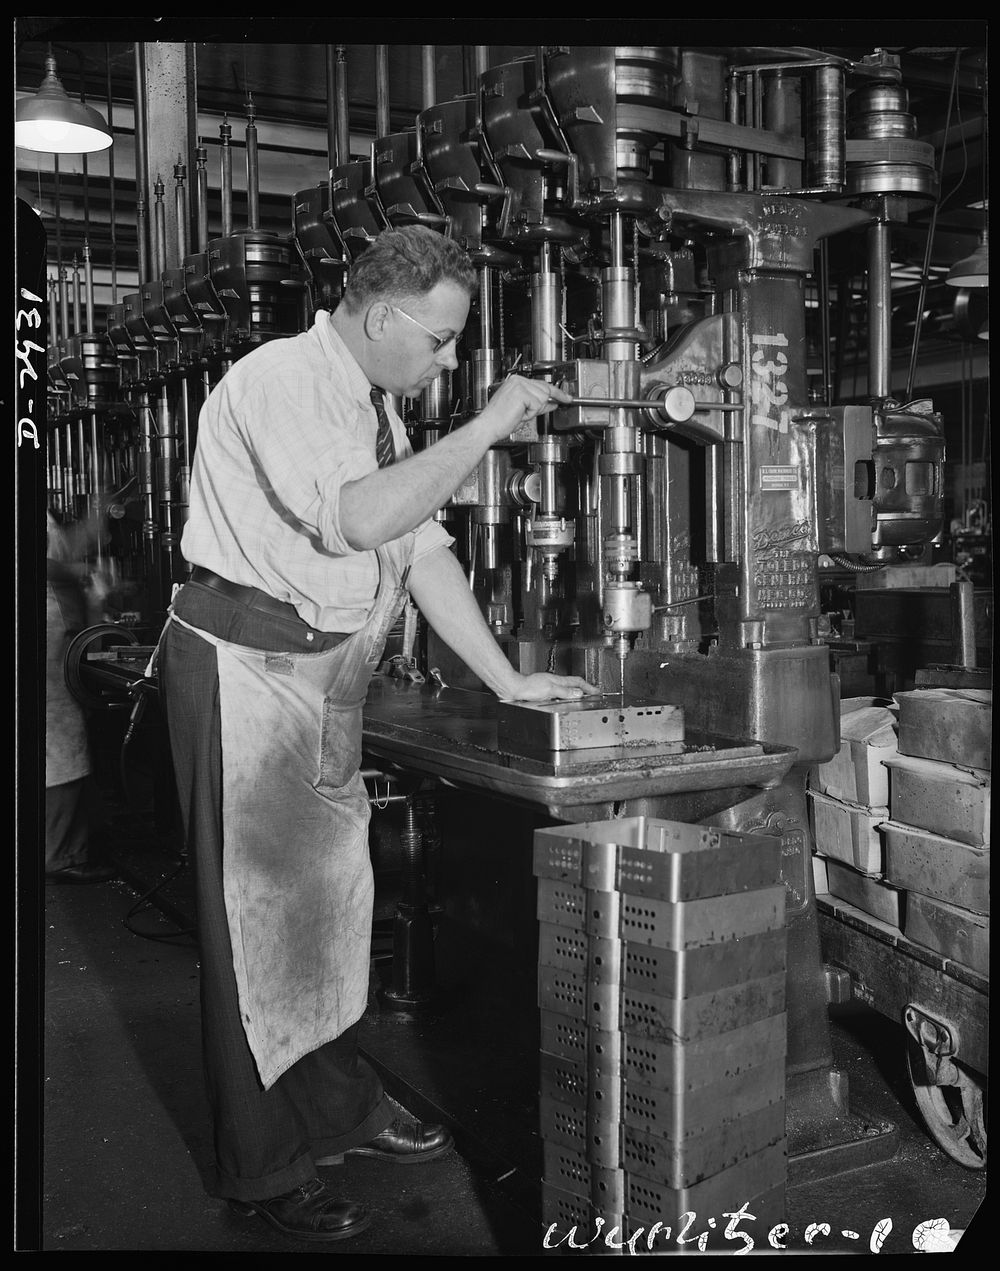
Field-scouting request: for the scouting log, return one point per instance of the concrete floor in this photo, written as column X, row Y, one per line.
column 124, row 1141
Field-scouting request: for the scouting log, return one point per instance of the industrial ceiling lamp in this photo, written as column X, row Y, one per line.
column 974, row 270
column 55, row 123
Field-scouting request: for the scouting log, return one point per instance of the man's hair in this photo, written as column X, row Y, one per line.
column 406, row 262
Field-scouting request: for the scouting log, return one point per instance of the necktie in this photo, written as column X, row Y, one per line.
column 385, row 449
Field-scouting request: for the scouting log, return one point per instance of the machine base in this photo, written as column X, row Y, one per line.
column 824, row 1137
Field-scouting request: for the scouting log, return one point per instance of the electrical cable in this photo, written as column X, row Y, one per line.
column 929, row 243
column 145, row 901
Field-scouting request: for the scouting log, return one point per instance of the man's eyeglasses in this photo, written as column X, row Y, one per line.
column 440, row 341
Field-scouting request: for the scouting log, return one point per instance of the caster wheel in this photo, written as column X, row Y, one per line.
column 955, row 1115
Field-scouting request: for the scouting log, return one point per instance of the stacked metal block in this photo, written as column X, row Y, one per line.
column 938, row 840
column 661, row 984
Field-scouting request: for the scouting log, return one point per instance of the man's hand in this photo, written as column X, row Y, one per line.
column 543, row 687
column 517, row 400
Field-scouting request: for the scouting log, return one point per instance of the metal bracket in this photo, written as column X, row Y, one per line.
column 838, row 984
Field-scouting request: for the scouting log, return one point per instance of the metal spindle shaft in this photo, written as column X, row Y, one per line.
column 159, row 229
column 879, row 310
column 253, row 169
column 225, row 139
column 88, row 286
column 76, row 296
column 201, row 159
column 180, row 205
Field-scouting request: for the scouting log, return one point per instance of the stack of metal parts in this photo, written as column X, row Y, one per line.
column 663, row 1027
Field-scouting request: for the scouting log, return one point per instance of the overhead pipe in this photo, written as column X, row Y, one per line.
column 141, row 180
column 111, row 182
column 428, row 68
column 343, row 148
column 331, row 105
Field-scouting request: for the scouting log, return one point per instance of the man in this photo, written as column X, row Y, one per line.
column 70, row 789
column 309, row 523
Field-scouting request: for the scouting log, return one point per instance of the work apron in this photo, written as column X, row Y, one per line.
column 297, row 873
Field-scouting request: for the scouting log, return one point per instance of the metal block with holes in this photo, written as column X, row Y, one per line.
column 691, row 923
column 562, row 1211
column 677, row 973
column 686, row 1114
column 664, row 860
column 717, row 1058
column 651, row 1199
column 688, row 1019
column 683, row 1163
column 589, row 723
column 681, row 1225
column 661, row 983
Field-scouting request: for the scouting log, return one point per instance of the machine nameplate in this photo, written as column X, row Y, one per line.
column 779, row 477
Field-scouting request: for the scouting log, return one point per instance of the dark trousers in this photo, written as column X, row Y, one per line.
column 330, row 1100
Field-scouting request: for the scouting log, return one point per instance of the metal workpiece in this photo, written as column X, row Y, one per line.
column 757, row 1181
column 708, row 968
column 705, row 920
column 586, row 723
column 683, row 1072
column 683, row 1161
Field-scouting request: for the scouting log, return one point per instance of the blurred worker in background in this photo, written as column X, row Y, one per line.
column 310, row 521
column 69, row 790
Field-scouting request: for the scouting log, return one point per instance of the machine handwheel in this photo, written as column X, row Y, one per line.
column 102, row 636
column 955, row 1115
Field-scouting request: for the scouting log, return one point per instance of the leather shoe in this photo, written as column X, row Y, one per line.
column 404, row 1142
column 88, row 872
column 308, row 1212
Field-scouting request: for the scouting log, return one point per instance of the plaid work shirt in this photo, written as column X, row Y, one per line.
column 279, row 436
